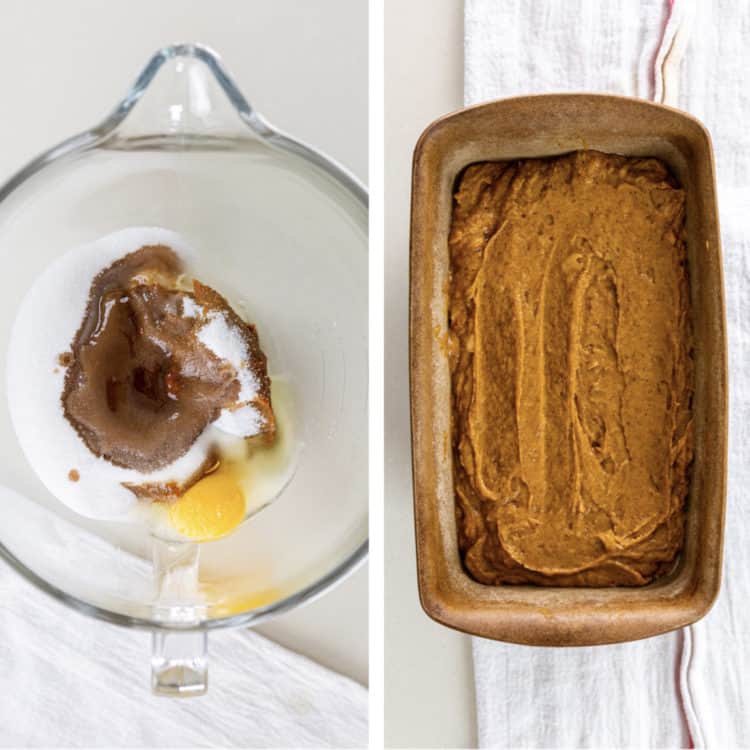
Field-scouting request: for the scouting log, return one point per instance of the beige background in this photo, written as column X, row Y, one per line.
column 429, row 699
column 63, row 66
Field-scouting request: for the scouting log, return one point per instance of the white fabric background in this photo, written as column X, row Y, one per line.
column 631, row 695
column 69, row 681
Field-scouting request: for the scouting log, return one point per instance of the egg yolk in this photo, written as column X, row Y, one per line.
column 238, row 605
column 211, row 508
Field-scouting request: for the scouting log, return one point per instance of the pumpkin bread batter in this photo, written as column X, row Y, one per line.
column 572, row 373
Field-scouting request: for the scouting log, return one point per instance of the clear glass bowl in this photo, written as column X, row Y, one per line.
column 284, row 230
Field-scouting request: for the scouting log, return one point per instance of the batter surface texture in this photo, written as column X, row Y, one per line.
column 571, row 365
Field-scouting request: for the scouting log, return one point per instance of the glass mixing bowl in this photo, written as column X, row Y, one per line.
column 283, row 229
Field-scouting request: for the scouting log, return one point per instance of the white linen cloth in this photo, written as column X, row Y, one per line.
column 67, row 680
column 688, row 687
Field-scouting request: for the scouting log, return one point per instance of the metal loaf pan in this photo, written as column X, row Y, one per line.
column 542, row 126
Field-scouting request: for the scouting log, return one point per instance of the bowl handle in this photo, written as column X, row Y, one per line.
column 179, row 665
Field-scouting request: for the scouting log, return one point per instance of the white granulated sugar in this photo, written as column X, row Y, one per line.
column 190, row 309
column 248, row 385
column 226, row 342
column 244, row 420
column 46, row 323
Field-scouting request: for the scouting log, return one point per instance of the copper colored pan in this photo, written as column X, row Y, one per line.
column 546, row 126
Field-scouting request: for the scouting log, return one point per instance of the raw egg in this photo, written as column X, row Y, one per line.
column 211, row 508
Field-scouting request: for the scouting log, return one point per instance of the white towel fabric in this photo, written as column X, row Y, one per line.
column 69, row 681
column 689, row 687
